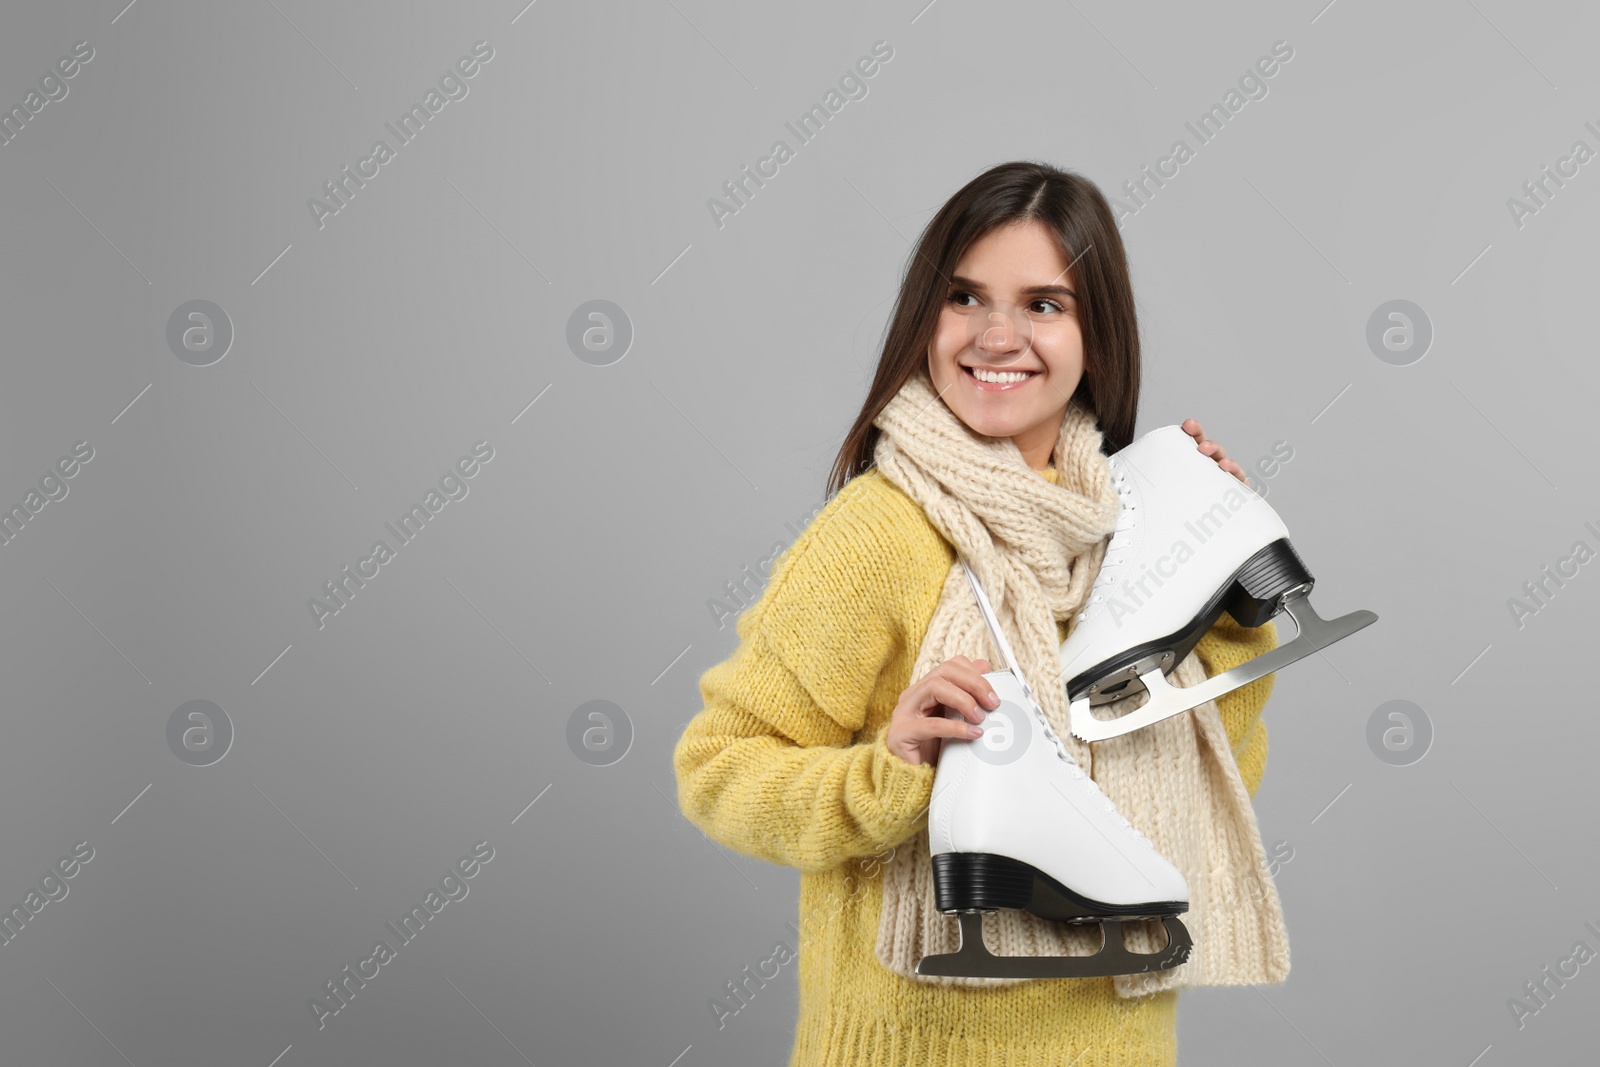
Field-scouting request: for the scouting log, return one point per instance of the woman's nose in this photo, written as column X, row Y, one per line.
column 1002, row 331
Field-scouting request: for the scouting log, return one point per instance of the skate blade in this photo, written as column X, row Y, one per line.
column 1166, row 700
column 974, row 960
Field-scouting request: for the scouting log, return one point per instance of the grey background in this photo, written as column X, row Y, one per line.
column 432, row 711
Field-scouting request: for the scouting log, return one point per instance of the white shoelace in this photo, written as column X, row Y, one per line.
column 1125, row 522
column 1107, row 575
column 1078, row 774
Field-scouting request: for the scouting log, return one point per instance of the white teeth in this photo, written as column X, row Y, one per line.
column 1000, row 377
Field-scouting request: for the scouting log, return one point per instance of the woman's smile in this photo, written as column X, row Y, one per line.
column 1010, row 310
column 997, row 381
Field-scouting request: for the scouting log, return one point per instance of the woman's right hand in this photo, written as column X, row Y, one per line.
column 919, row 720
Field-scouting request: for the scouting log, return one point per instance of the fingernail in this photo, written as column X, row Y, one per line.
column 994, row 698
column 974, row 731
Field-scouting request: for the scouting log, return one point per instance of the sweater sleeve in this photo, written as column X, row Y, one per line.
column 1225, row 646
column 774, row 765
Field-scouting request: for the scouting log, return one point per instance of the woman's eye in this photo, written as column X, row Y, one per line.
column 955, row 297
column 1050, row 305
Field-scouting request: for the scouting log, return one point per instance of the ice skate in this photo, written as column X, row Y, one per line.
column 1193, row 541
column 1015, row 822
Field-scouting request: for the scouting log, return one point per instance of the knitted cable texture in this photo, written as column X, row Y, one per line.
column 1036, row 548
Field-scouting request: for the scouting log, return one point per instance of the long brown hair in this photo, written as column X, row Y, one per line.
column 1074, row 209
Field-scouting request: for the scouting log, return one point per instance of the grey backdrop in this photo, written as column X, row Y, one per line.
column 447, row 702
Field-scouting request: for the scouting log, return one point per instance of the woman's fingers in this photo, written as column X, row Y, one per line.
column 1214, row 449
column 949, row 694
column 920, row 720
column 1211, row 448
column 930, row 728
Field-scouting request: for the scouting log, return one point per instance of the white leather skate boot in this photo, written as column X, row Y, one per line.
column 1015, row 822
column 1193, row 541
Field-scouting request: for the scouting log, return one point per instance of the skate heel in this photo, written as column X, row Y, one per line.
column 984, row 881
column 965, row 881
column 1259, row 586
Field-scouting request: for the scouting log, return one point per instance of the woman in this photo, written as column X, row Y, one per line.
column 1010, row 371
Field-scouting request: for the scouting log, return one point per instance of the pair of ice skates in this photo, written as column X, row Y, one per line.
column 1015, row 822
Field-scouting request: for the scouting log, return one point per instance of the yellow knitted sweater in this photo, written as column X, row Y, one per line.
column 787, row 763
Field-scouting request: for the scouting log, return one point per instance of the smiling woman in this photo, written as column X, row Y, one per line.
column 1018, row 278
column 1008, row 377
column 1007, row 353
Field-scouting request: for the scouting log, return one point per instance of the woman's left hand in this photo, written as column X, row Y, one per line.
column 1213, row 449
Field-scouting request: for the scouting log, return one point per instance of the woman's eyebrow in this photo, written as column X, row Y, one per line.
column 968, row 283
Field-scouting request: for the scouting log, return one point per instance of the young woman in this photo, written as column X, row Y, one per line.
column 1009, row 373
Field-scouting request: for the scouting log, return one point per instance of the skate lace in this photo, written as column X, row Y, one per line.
column 1125, row 521
column 1077, row 770
column 1080, row 775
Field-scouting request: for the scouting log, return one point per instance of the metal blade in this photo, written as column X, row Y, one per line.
column 974, row 960
column 1166, row 700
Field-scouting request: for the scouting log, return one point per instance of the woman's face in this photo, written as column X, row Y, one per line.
column 1010, row 308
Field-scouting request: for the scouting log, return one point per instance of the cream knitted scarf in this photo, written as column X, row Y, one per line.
column 1037, row 548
